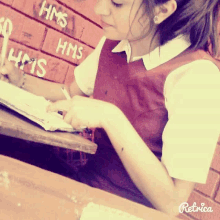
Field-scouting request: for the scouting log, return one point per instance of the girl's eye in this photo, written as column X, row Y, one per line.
column 116, row 4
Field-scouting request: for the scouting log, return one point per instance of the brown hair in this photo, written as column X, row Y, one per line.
column 195, row 18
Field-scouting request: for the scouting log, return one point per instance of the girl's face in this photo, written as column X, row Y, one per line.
column 122, row 19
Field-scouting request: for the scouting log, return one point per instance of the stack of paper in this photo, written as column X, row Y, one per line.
column 32, row 107
column 99, row 212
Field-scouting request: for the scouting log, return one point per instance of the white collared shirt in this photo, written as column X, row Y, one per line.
column 192, row 98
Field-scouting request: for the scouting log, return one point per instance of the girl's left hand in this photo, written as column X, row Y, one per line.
column 83, row 111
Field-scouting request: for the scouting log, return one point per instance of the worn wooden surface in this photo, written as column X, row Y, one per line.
column 28, row 192
column 15, row 125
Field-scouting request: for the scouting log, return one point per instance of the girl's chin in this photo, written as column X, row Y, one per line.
column 113, row 36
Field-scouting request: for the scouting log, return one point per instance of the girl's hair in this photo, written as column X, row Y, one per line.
column 196, row 18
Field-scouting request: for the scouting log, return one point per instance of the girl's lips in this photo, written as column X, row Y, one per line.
column 103, row 24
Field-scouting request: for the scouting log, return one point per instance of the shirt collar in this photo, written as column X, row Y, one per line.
column 159, row 55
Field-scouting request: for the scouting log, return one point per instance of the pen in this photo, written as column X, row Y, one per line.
column 4, row 47
column 69, row 98
column 65, row 93
column 26, row 62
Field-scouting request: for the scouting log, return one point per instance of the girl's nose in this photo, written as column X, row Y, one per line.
column 102, row 7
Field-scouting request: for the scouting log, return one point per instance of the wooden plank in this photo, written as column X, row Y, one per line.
column 28, row 192
column 15, row 125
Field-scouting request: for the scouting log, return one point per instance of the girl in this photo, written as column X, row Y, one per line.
column 156, row 99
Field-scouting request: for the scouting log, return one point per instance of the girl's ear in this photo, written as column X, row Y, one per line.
column 162, row 12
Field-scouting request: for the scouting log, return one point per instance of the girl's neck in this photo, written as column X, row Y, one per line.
column 143, row 46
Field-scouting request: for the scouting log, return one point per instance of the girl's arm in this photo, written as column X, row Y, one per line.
column 49, row 90
column 146, row 171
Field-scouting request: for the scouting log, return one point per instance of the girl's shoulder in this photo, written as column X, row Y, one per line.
column 201, row 72
column 198, row 68
column 206, row 66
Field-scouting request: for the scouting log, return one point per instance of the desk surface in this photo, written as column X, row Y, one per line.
column 28, row 192
column 15, row 125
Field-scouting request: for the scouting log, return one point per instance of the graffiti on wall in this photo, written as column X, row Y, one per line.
column 40, row 63
column 51, row 13
column 68, row 47
column 5, row 25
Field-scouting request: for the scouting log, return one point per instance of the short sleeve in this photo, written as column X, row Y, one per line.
column 191, row 133
column 85, row 73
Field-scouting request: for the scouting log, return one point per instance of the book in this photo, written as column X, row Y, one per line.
column 32, row 107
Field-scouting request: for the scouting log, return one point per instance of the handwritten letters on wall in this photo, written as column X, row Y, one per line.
column 38, row 67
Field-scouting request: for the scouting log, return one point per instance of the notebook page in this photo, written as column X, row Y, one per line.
column 100, row 212
column 32, row 106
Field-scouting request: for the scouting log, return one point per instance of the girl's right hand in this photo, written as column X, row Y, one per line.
column 10, row 73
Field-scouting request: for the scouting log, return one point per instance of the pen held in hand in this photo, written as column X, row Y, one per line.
column 66, row 94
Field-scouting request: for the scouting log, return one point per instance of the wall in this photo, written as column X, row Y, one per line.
column 60, row 35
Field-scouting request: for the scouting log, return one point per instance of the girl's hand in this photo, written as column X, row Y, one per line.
column 10, row 73
column 83, row 111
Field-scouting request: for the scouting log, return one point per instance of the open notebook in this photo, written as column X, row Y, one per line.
column 32, row 107
column 99, row 212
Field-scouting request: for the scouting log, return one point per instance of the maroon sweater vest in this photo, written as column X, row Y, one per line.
column 139, row 94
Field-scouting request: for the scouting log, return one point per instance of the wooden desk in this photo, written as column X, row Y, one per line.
column 15, row 125
column 28, row 192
